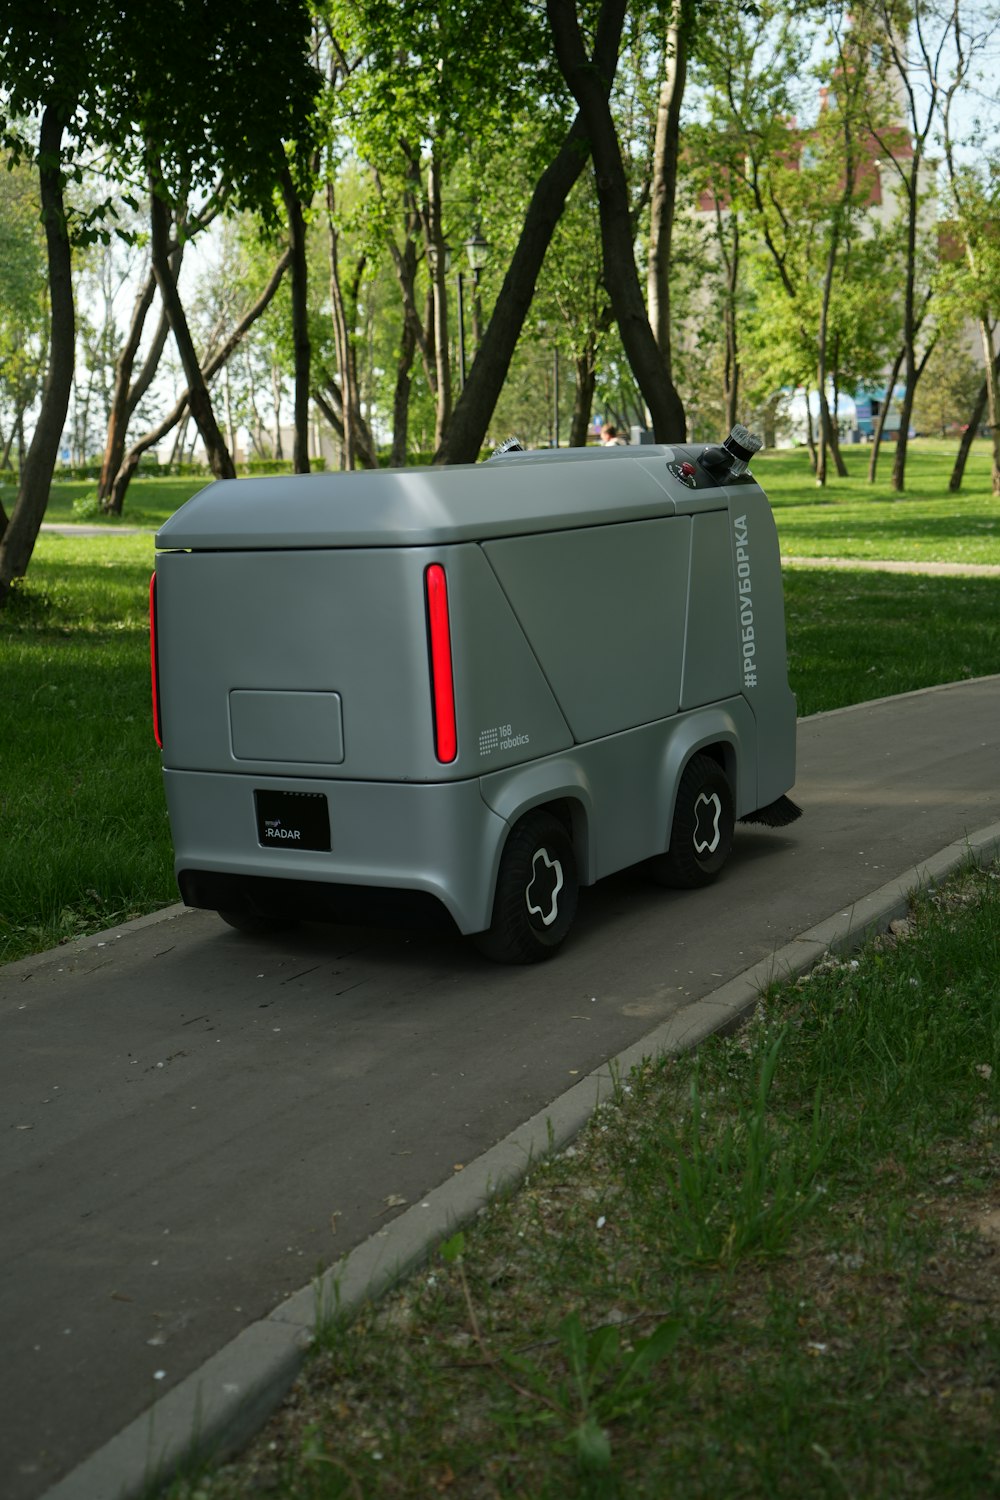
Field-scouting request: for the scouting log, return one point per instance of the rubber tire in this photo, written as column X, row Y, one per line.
column 685, row 866
column 249, row 922
column 517, row 935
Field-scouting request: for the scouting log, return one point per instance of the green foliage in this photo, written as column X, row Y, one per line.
column 23, row 300
column 950, row 386
column 278, row 466
column 87, row 507
column 173, row 83
column 427, row 73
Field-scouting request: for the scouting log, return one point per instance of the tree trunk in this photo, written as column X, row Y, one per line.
column 300, row 320
column 405, row 262
column 910, row 325
column 180, row 438
column 810, row 440
column 277, row 448
column 914, row 370
column 829, row 440
column 898, row 480
column 130, row 462
column 357, row 438
column 882, row 417
column 474, row 409
column 583, row 399
column 731, row 376
column 114, row 446
column 127, row 394
column 992, row 395
column 972, row 427
column 590, row 89
column 838, row 457
column 401, row 393
column 439, row 282
column 664, row 186
column 198, row 399
column 36, row 472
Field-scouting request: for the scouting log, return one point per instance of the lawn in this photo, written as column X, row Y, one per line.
column 86, row 841
column 847, row 519
column 851, row 519
column 148, row 503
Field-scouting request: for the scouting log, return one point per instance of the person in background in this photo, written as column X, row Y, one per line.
column 611, row 438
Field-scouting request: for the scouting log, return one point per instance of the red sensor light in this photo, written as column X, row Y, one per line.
column 442, row 679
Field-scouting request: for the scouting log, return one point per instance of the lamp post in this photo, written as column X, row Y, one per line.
column 478, row 251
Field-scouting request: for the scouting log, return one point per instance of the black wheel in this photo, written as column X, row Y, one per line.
column 536, row 893
column 248, row 921
column 702, row 832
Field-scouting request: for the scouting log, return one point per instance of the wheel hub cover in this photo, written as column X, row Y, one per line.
column 542, row 893
column 707, row 823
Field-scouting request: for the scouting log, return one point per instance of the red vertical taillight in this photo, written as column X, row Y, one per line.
column 157, row 730
column 442, row 679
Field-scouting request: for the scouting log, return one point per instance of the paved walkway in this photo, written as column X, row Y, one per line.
column 871, row 565
column 58, row 528
column 195, row 1120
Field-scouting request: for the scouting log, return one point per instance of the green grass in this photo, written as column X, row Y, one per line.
column 851, row 519
column 148, row 502
column 766, row 1269
column 847, row 519
column 855, row 636
column 86, row 840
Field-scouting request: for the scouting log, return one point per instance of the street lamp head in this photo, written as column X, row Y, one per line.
column 477, row 249
column 435, row 252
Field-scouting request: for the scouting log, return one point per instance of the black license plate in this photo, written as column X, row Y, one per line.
column 292, row 820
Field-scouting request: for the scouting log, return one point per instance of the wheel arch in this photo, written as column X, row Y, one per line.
column 717, row 736
column 560, row 788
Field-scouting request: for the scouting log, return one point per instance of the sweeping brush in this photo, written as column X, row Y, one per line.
column 776, row 814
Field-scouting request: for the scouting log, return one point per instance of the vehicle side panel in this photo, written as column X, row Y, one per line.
column 604, row 611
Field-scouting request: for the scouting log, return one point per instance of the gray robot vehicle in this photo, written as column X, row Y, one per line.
column 467, row 691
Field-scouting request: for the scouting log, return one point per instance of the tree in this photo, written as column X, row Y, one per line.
column 130, row 387
column 215, row 362
column 913, row 40
column 23, row 310
column 953, row 382
column 45, row 70
column 666, row 150
column 975, row 194
column 589, row 79
column 123, row 80
column 745, row 157
column 422, row 94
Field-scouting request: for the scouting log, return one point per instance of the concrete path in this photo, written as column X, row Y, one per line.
column 197, row 1122
column 73, row 528
column 882, row 565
